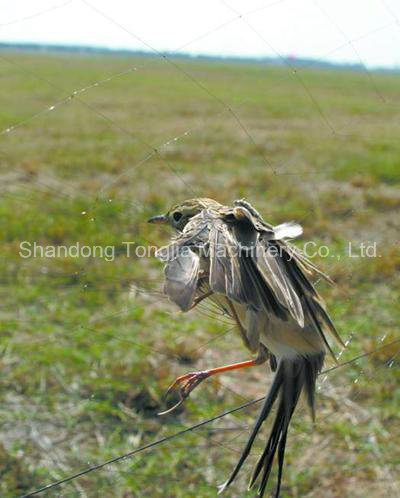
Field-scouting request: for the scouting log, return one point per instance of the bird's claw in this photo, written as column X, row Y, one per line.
column 189, row 382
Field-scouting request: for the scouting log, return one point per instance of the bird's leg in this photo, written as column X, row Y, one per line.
column 191, row 380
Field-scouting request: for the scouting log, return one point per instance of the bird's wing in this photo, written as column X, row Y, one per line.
column 306, row 265
column 181, row 277
column 224, row 273
column 248, row 263
column 272, row 268
column 233, row 267
column 265, row 272
column 297, row 267
column 183, row 261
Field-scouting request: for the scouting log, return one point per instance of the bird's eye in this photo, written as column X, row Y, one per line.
column 177, row 216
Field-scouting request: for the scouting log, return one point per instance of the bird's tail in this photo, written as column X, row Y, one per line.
column 293, row 375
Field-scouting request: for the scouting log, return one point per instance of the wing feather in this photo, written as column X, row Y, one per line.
column 225, row 275
column 270, row 265
column 181, row 277
column 241, row 266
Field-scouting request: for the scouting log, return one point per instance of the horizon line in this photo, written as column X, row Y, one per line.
column 273, row 60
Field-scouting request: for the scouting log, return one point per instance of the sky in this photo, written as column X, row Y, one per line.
column 350, row 31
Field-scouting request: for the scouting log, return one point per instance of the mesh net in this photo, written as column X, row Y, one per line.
column 91, row 147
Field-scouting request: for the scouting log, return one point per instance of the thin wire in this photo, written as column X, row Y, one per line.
column 184, row 72
column 354, row 48
column 142, row 448
column 37, row 14
column 143, row 66
column 294, row 71
column 211, row 94
column 132, row 69
column 154, row 151
column 359, row 357
column 391, row 12
column 143, row 160
column 254, row 401
column 184, row 431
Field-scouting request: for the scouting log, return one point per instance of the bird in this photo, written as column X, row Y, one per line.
column 255, row 275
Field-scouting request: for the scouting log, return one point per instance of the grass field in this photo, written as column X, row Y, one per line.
column 88, row 346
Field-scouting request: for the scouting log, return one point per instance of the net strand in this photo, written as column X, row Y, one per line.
column 36, row 14
column 180, row 69
column 136, row 67
column 368, row 73
column 186, row 430
column 152, row 154
column 286, row 62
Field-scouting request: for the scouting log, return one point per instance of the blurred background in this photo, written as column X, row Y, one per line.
column 110, row 113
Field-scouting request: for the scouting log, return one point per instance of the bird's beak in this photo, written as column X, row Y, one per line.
column 161, row 219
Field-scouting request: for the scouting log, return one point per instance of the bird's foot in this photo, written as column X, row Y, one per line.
column 186, row 384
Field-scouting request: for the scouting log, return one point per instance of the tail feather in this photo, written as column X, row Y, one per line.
column 291, row 390
column 291, row 377
column 310, row 375
column 267, row 458
column 317, row 323
column 281, row 458
column 268, row 404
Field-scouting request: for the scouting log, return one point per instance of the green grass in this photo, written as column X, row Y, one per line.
column 88, row 346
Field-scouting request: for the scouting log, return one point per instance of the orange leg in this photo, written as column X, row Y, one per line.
column 193, row 379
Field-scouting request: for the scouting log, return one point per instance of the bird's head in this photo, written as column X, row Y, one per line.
column 181, row 213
